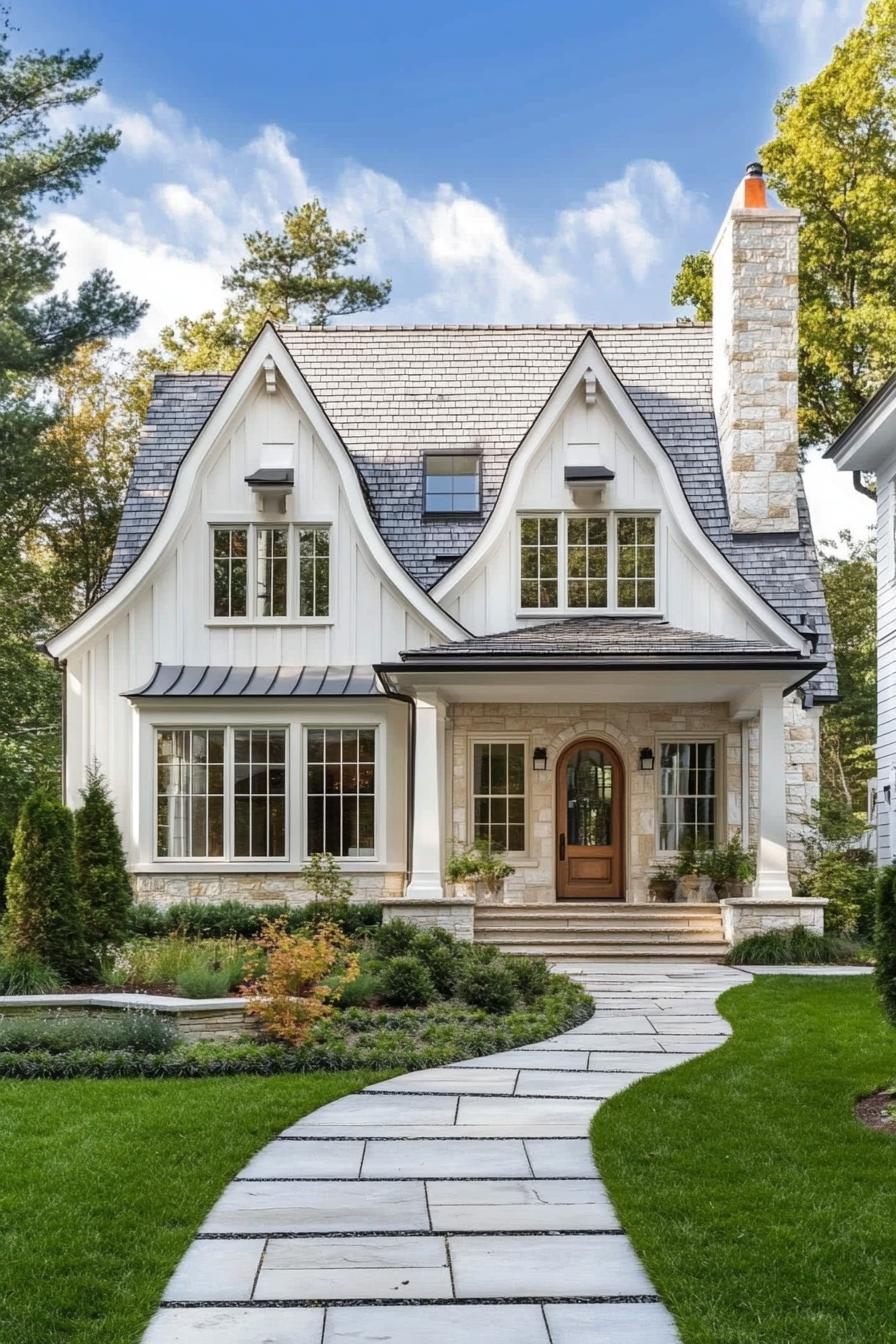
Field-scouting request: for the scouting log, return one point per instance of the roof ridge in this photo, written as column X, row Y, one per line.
column 308, row 329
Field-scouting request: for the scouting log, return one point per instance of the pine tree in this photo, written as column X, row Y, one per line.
column 885, row 940
column 43, row 912
column 104, row 887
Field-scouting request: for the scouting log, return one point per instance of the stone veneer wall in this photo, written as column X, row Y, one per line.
column 626, row 727
column 801, row 746
column 256, row 888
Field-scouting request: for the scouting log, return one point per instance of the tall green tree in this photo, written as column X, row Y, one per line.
column 833, row 157
column 43, row 911
column 303, row 273
column 849, row 729
column 40, row 330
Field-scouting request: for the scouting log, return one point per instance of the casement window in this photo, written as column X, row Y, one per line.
column 267, row 573
column 221, row 793
column 314, row 571
column 688, row 793
column 451, row 483
column 588, row 562
column 341, row 792
column 499, row 794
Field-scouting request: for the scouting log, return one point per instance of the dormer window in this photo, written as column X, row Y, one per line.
column 575, row 562
column 451, row 484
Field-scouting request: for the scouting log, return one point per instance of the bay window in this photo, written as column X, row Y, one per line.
column 578, row 562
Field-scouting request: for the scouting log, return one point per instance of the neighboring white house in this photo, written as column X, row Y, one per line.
column 388, row 589
column 868, row 445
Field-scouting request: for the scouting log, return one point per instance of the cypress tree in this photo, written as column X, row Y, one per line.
column 43, row 912
column 885, row 940
column 104, row 887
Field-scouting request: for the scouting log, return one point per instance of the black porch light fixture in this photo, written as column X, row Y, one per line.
column 540, row 758
column 646, row 758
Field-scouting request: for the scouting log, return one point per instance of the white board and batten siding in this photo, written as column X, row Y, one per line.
column 886, row 661
column 168, row 618
column 690, row 594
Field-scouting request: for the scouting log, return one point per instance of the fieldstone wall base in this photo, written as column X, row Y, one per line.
column 454, row 915
column 164, row 889
column 748, row 915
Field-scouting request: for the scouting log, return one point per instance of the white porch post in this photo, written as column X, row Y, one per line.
column 429, row 759
column 772, row 882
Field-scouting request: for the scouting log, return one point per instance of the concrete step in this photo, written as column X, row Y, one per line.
column 614, row 909
column 572, row 937
column 624, row 925
column 631, row 951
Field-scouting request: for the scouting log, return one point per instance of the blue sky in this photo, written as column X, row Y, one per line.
column 510, row 161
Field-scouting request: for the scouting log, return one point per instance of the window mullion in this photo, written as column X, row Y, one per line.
column 562, row 567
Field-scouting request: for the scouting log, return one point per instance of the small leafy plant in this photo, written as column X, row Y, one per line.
column 303, row 977
column 480, row 862
column 729, row 863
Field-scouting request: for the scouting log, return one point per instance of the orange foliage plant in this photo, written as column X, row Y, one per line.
column 302, row 976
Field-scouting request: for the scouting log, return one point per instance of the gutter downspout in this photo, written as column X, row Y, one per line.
column 394, row 694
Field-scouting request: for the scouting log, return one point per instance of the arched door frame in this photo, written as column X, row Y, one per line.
column 619, row 848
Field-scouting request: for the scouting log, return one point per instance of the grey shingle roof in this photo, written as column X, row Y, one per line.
column 394, row 392
column 600, row 637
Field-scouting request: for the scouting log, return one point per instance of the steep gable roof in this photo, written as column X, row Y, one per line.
column 391, row 393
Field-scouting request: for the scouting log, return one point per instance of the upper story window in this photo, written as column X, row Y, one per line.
column 270, row 573
column 451, row 483
column 588, row 562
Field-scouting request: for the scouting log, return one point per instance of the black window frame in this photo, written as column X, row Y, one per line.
column 450, row 513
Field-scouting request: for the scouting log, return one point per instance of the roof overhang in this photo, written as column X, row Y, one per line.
column 869, row 441
column 182, row 681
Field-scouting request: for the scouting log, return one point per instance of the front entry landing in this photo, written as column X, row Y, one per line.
column 589, row 815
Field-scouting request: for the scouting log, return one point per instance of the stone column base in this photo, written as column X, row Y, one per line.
column 746, row 915
column 454, row 915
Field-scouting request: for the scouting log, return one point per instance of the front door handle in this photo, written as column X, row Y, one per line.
column 562, row 846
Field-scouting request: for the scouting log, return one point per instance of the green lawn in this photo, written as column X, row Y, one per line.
column 103, row 1184
column 765, row 1214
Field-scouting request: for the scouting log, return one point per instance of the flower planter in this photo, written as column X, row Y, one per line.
column 695, row 889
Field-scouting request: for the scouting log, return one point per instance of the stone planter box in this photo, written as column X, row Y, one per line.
column 748, row 915
column 452, row 913
column 193, row 1019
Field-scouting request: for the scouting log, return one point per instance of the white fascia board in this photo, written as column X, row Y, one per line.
column 501, row 516
column 871, row 444
column 267, row 344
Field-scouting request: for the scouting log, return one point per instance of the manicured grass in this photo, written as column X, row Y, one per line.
column 763, row 1211
column 103, row 1184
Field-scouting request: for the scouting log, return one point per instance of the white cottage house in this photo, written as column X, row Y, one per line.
column 385, row 590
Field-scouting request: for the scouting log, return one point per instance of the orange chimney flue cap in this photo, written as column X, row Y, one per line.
column 755, row 197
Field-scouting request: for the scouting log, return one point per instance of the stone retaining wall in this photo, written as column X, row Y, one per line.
column 163, row 889
column 193, row 1020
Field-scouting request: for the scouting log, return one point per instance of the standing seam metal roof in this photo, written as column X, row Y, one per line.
column 392, row 393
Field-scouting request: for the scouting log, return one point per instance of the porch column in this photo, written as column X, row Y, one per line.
column 772, row 882
column 429, row 768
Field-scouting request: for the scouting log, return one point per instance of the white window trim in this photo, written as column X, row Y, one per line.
column 228, row 857
column 564, row 609
column 721, row 786
column 253, row 524
column 349, row 864
column 482, row 739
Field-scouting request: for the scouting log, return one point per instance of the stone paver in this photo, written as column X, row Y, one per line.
column 452, row 1204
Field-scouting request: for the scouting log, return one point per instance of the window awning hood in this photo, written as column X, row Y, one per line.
column 177, row 680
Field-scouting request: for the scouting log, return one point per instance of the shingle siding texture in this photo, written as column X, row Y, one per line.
column 393, row 393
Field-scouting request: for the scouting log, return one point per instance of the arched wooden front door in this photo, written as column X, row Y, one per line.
column 589, row 822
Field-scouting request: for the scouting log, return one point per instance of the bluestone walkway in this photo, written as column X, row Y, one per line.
column 452, row 1205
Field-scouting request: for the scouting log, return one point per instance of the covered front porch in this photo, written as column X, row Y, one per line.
column 591, row 773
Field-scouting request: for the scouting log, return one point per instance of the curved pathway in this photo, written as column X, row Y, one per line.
column 455, row 1204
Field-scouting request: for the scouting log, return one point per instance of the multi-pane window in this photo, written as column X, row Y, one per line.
column 271, row 571
column 575, row 561
column 259, row 793
column 230, row 552
column 688, row 790
column 190, row 793
column 451, row 483
column 539, row 562
column 314, row 571
column 586, row 561
column 636, row 561
column 499, row 794
column 341, row 792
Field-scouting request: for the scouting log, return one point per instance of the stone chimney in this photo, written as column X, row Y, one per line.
column 755, row 294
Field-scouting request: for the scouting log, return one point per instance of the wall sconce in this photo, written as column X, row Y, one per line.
column 646, row 758
column 540, row 758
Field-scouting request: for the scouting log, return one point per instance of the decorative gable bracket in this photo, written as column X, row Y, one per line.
column 270, row 486
column 270, row 375
column 587, row 484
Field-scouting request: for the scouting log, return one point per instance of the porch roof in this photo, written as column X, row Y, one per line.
column 643, row 640
column 179, row 679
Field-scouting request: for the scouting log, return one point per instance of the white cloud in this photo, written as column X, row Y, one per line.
column 174, row 205
column 803, row 33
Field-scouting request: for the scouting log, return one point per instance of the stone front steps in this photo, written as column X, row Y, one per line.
column 605, row 931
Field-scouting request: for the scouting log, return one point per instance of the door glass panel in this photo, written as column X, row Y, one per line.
column 589, row 798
